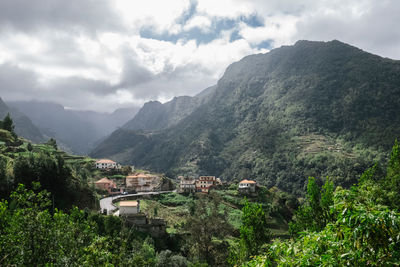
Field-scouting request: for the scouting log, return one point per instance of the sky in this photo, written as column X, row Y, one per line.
column 107, row 54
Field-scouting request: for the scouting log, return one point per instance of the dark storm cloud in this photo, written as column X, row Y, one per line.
column 183, row 80
column 64, row 15
column 20, row 84
column 76, row 85
column 16, row 82
column 133, row 72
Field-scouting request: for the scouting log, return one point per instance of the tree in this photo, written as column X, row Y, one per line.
column 8, row 123
column 254, row 230
column 314, row 214
column 207, row 228
column 29, row 147
column 52, row 142
column 254, row 233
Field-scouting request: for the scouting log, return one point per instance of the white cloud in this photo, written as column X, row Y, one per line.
column 159, row 15
column 225, row 8
column 93, row 50
column 279, row 29
column 201, row 22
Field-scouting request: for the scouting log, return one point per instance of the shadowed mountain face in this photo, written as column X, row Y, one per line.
column 312, row 109
column 23, row 125
column 78, row 130
column 156, row 116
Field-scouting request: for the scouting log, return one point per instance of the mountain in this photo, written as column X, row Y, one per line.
column 23, row 125
column 156, row 116
column 78, row 130
column 311, row 109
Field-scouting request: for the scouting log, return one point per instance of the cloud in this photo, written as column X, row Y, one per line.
column 367, row 24
column 16, row 82
column 71, row 15
column 201, row 22
column 101, row 55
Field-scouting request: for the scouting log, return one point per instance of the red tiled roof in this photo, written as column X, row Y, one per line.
column 247, row 182
column 104, row 181
column 105, row 161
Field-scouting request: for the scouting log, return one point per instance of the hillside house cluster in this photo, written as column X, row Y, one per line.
column 142, row 182
column 105, row 164
column 202, row 184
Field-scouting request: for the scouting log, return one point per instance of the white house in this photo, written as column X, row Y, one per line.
column 187, row 185
column 106, row 164
column 129, row 207
column 247, row 185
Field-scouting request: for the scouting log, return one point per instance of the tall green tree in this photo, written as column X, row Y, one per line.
column 207, row 229
column 314, row 214
column 52, row 142
column 8, row 123
column 254, row 230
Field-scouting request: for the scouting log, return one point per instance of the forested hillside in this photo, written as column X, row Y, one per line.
column 312, row 109
column 23, row 125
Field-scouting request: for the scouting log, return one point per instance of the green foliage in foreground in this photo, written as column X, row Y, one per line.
column 30, row 235
column 253, row 233
column 362, row 225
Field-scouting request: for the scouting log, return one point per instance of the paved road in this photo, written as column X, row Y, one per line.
column 106, row 203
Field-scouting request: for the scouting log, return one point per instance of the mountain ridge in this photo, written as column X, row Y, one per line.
column 76, row 129
column 23, row 125
column 280, row 117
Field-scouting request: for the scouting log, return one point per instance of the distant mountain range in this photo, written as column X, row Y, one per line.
column 312, row 109
column 77, row 131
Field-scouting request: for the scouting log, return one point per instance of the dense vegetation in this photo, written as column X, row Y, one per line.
column 23, row 125
column 312, row 109
column 359, row 226
column 24, row 163
column 33, row 235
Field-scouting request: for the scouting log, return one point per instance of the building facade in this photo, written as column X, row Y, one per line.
column 142, row 182
column 187, row 186
column 205, row 183
column 106, row 164
column 105, row 184
column 127, row 208
column 247, row 186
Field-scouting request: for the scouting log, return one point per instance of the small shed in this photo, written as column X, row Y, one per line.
column 129, row 208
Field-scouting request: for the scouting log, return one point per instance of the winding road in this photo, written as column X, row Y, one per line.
column 106, row 203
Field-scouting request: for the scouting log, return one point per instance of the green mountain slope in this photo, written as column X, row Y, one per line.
column 314, row 108
column 23, row 125
column 156, row 116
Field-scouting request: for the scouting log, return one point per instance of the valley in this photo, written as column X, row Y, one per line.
column 291, row 159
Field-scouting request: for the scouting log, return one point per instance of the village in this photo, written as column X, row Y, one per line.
column 122, row 196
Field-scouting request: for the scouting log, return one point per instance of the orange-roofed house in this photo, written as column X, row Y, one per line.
column 105, row 184
column 247, row 185
column 106, row 164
